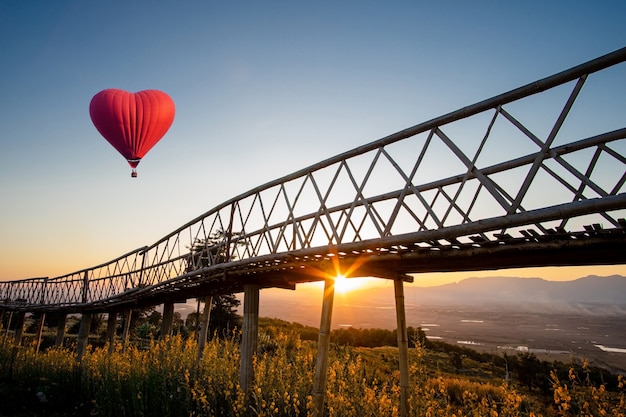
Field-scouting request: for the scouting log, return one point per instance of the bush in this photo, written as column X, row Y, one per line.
column 167, row 379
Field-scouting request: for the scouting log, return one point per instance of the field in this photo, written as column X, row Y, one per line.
column 551, row 333
column 165, row 378
column 555, row 336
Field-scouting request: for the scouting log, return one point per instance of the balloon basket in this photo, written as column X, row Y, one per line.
column 133, row 174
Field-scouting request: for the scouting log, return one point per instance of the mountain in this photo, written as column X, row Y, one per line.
column 608, row 292
column 590, row 289
column 374, row 306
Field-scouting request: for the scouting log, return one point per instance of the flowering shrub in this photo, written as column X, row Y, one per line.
column 579, row 397
column 167, row 379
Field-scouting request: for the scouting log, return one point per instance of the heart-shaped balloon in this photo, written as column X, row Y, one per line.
column 132, row 122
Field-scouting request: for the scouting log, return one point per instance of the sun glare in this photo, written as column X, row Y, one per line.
column 344, row 285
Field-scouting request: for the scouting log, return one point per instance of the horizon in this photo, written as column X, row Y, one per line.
column 557, row 274
column 303, row 306
column 374, row 283
column 311, row 293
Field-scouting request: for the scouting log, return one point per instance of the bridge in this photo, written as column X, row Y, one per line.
column 532, row 177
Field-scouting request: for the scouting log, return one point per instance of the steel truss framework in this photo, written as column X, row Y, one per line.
column 506, row 182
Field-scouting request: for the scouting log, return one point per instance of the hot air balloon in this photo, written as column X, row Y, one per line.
column 132, row 122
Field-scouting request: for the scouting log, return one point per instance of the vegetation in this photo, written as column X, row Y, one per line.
column 165, row 378
column 223, row 320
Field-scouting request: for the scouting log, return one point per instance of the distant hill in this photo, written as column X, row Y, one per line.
column 374, row 307
column 591, row 291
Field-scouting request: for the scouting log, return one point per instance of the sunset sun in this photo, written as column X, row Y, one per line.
column 344, row 285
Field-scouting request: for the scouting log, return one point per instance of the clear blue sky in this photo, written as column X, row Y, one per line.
column 261, row 89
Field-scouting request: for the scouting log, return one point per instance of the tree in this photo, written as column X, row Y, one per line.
column 96, row 323
column 528, row 369
column 224, row 317
column 138, row 317
column 212, row 251
column 193, row 320
column 417, row 337
column 456, row 359
column 146, row 330
column 178, row 322
column 155, row 318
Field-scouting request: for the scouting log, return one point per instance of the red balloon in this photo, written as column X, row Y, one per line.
column 132, row 122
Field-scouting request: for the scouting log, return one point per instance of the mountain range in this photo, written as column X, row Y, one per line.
column 374, row 306
column 590, row 295
column 607, row 293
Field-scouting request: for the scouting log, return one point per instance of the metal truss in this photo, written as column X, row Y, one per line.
column 547, row 158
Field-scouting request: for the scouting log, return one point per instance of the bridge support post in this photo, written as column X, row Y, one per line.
column 204, row 325
column 323, row 345
column 249, row 337
column 403, row 347
column 58, row 341
column 19, row 327
column 168, row 321
column 6, row 331
column 83, row 336
column 125, row 333
column 111, row 327
column 42, row 319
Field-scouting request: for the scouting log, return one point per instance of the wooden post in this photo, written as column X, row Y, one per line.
column 403, row 347
column 61, row 330
column 85, row 288
column 249, row 337
column 168, row 321
column 125, row 333
column 83, row 336
column 111, row 328
column 323, row 345
column 19, row 327
column 1, row 324
column 6, row 331
column 42, row 319
column 204, row 325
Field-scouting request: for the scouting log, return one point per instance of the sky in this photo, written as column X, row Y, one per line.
column 262, row 89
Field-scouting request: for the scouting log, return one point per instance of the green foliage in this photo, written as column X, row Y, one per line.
column 528, row 369
column 364, row 337
column 224, row 318
column 96, row 324
column 577, row 395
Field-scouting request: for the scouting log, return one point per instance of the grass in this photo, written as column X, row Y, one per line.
column 166, row 379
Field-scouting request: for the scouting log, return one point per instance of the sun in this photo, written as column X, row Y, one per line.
column 344, row 285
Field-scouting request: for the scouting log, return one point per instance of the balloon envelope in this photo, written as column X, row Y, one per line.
column 132, row 122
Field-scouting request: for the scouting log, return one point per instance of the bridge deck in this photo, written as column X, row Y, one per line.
column 595, row 246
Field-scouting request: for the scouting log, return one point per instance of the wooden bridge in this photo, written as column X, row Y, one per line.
column 532, row 177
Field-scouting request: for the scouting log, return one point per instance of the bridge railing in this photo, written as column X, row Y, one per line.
column 100, row 282
column 548, row 156
column 25, row 291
